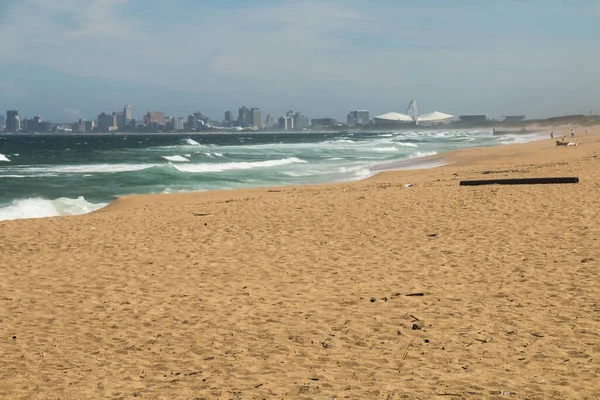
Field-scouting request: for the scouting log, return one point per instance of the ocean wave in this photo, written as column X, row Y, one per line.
column 420, row 154
column 191, row 142
column 195, row 168
column 385, row 149
column 336, row 141
column 357, row 172
column 212, row 155
column 405, row 144
column 176, row 158
column 91, row 168
column 37, row 207
column 29, row 176
column 3, row 158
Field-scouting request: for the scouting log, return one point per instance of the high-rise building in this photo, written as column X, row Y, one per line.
column 34, row 125
column 301, row 121
column 228, row 117
column 81, row 126
column 256, row 118
column 119, row 119
column 157, row 117
column 13, row 121
column 358, row 117
column 178, row 123
column 89, row 126
column 155, row 120
column 2, row 122
column 127, row 115
column 270, row 121
column 286, row 123
column 106, row 122
column 244, row 116
column 192, row 123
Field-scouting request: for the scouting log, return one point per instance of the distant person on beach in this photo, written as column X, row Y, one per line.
column 552, row 135
column 572, row 132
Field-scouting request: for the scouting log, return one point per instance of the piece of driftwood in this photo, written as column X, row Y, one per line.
column 521, row 181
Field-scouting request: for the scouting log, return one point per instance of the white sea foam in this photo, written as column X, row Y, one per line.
column 176, row 158
column 385, row 135
column 38, row 208
column 403, row 144
column 237, row 165
column 218, row 154
column 386, row 149
column 91, row 168
column 191, row 142
column 3, row 158
column 420, row 154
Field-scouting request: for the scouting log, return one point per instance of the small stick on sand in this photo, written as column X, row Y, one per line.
column 72, row 363
column 405, row 354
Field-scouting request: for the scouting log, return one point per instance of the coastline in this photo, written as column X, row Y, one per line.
column 360, row 289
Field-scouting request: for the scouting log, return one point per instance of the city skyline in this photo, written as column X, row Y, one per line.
column 71, row 59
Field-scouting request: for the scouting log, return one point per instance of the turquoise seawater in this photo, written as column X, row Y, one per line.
column 48, row 175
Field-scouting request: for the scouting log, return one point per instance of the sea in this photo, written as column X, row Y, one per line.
column 44, row 175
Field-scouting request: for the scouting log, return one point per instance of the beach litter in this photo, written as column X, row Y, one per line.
column 503, row 393
column 408, row 185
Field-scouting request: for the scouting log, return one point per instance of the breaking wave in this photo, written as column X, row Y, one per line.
column 39, row 208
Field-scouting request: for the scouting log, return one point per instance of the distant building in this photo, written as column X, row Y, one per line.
column 2, row 122
column 434, row 118
column 473, row 118
column 178, row 123
column 228, row 120
column 256, row 118
column 80, row 126
column 301, row 121
column 323, row 122
column 33, row 125
column 127, row 115
column 106, row 122
column 197, row 121
column 119, row 119
column 392, row 119
column 513, row 118
column 286, row 123
column 358, row 118
column 155, row 120
column 13, row 121
column 244, row 116
column 89, row 126
column 270, row 121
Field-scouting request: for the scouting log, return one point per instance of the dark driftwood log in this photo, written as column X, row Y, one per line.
column 520, row 181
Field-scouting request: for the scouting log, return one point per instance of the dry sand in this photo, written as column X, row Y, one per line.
column 303, row 292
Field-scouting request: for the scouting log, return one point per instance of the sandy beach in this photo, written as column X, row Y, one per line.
column 362, row 290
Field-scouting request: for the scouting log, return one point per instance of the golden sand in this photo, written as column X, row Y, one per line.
column 363, row 290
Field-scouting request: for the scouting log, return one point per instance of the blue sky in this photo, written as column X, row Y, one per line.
column 66, row 59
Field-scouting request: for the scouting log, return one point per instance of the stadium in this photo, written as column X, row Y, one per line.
column 411, row 117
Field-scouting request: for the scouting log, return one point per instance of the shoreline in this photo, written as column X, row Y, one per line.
column 433, row 163
column 417, row 163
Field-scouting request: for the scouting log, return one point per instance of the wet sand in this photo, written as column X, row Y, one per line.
column 363, row 290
